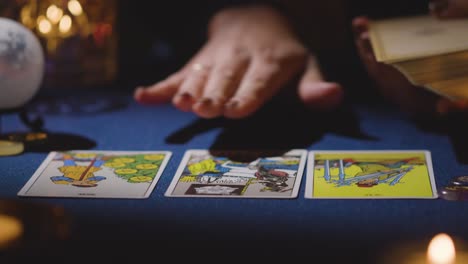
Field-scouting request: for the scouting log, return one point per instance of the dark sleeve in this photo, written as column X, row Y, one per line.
column 319, row 24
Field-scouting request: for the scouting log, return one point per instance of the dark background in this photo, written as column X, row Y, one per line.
column 155, row 39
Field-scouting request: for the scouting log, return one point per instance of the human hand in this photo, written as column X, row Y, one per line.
column 448, row 8
column 251, row 52
column 393, row 85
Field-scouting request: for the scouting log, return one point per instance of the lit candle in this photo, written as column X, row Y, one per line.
column 441, row 250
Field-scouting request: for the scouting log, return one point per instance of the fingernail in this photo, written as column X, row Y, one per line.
column 358, row 30
column 185, row 96
column 232, row 104
column 364, row 36
column 205, row 102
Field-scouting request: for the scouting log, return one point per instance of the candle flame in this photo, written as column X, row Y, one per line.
column 441, row 250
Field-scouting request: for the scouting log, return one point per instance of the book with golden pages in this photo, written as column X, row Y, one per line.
column 430, row 52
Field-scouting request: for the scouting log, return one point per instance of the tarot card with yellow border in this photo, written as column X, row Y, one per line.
column 375, row 174
column 203, row 173
column 97, row 174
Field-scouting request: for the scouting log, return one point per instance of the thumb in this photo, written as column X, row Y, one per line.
column 315, row 92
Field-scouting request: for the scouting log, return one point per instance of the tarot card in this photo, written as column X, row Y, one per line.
column 204, row 174
column 370, row 174
column 97, row 174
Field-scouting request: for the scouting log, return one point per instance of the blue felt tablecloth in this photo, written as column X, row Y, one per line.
column 354, row 230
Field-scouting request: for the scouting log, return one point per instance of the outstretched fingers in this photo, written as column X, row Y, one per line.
column 266, row 74
column 191, row 88
column 222, row 83
column 160, row 92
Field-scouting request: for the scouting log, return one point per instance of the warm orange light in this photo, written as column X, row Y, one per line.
column 43, row 25
column 11, row 229
column 75, row 7
column 65, row 24
column 25, row 16
column 54, row 14
column 441, row 250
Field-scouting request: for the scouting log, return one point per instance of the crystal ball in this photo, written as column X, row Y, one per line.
column 21, row 64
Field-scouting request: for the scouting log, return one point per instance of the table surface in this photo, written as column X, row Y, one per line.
column 356, row 231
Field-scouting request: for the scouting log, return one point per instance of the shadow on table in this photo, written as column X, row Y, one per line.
column 277, row 127
column 455, row 126
column 37, row 139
